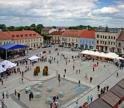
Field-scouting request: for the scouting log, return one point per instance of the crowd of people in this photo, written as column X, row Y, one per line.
column 53, row 59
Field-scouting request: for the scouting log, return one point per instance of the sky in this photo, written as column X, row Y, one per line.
column 62, row 12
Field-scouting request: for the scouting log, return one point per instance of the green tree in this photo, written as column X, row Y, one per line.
column 32, row 26
column 11, row 28
column 3, row 27
column 38, row 28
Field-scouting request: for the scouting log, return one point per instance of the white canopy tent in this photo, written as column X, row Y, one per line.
column 7, row 64
column 109, row 55
column 4, row 65
column 2, row 69
column 34, row 58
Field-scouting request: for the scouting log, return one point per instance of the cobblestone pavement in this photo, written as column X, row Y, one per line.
column 104, row 74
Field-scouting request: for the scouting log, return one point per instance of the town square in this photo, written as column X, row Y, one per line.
column 61, row 54
column 68, row 89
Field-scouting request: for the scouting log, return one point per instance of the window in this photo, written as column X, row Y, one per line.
column 119, row 44
column 97, row 36
column 108, row 43
column 97, row 42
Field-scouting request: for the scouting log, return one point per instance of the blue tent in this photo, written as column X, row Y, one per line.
column 12, row 46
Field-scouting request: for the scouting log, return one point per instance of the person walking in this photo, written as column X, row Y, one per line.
column 19, row 96
column 98, row 87
column 117, row 74
column 59, row 78
column 79, row 71
column 73, row 67
column 91, row 79
column 91, row 98
column 7, row 95
column 65, row 71
column 79, row 83
column 29, row 96
column 15, row 92
column 3, row 95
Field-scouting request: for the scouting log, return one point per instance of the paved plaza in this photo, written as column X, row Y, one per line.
column 66, row 90
column 104, row 74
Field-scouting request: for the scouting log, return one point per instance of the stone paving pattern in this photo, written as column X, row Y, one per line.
column 102, row 75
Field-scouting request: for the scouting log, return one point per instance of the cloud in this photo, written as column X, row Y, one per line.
column 106, row 10
column 46, row 8
column 58, row 12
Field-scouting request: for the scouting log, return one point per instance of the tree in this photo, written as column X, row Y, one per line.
column 39, row 27
column 33, row 26
column 27, row 28
column 11, row 28
column 3, row 27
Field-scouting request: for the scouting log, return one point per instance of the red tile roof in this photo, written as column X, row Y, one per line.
column 121, row 36
column 87, row 34
column 71, row 33
column 56, row 33
column 15, row 35
column 4, row 36
column 79, row 33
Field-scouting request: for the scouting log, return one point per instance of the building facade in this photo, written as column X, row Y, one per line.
column 106, row 41
column 87, row 39
column 120, row 43
column 56, row 37
column 79, row 38
column 26, row 37
column 70, row 38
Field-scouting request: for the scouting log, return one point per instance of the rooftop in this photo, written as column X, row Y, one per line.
column 80, row 33
column 121, row 36
column 15, row 35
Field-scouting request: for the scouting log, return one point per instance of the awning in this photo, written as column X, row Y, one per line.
column 34, row 58
column 12, row 46
column 111, row 98
column 2, row 69
column 99, row 103
column 7, row 64
column 109, row 55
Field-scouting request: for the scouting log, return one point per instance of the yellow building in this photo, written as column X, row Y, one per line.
column 56, row 37
column 26, row 37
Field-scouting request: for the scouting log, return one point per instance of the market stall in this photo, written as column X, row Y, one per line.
column 34, row 58
column 101, row 55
